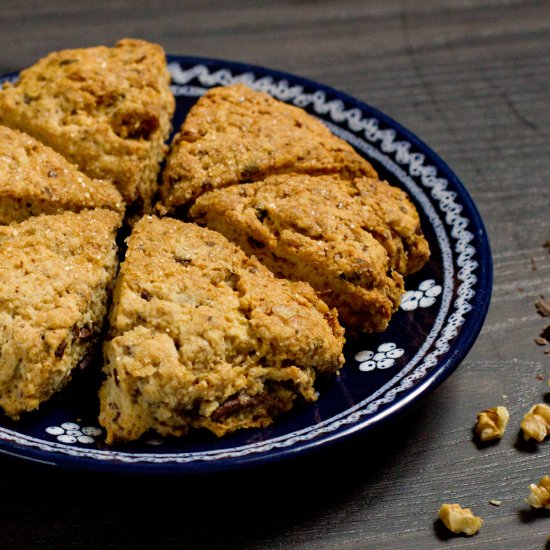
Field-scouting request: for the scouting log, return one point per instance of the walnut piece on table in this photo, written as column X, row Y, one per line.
column 459, row 520
column 543, row 306
column 540, row 494
column 536, row 423
column 491, row 423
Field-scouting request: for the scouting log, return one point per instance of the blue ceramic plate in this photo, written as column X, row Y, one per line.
column 384, row 375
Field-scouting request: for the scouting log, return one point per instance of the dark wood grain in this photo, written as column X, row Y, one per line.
column 472, row 79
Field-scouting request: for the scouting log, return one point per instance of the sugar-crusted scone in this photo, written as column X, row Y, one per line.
column 34, row 180
column 203, row 336
column 352, row 241
column 234, row 134
column 54, row 275
column 108, row 110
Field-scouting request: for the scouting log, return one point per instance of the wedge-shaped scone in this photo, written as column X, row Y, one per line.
column 34, row 180
column 202, row 336
column 352, row 241
column 54, row 275
column 108, row 110
column 234, row 134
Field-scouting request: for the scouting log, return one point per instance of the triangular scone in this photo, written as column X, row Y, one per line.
column 203, row 336
column 34, row 180
column 234, row 134
column 108, row 110
column 352, row 241
column 54, row 275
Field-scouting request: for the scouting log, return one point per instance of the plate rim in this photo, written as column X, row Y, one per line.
column 445, row 366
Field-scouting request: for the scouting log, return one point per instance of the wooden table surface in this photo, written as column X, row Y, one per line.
column 472, row 79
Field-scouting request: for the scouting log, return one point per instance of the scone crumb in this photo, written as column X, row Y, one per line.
column 459, row 520
column 540, row 494
column 491, row 423
column 536, row 423
column 495, row 502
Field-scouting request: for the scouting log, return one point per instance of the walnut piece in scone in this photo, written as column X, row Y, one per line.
column 203, row 336
column 536, row 423
column 34, row 180
column 353, row 241
column 491, row 423
column 108, row 110
column 540, row 494
column 459, row 520
column 234, row 134
column 54, row 277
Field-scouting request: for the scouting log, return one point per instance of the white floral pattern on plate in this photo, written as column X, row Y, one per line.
column 383, row 358
column 71, row 432
column 425, row 296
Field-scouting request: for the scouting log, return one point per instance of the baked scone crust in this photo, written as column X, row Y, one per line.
column 353, row 241
column 203, row 336
column 107, row 110
column 234, row 134
column 35, row 180
column 54, row 276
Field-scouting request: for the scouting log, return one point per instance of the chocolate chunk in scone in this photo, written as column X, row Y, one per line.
column 203, row 336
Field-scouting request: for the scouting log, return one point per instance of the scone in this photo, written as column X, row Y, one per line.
column 107, row 110
column 234, row 135
column 203, row 336
column 34, row 180
column 54, row 275
column 352, row 241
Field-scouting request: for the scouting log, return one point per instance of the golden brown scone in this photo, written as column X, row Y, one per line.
column 202, row 336
column 352, row 241
column 54, row 275
column 234, row 134
column 34, row 180
column 108, row 110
